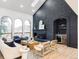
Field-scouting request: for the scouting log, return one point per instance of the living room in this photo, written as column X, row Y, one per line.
column 38, row 29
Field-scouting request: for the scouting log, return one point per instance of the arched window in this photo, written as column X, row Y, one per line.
column 27, row 28
column 18, row 27
column 5, row 26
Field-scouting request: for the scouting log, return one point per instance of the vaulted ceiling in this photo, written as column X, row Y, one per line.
column 25, row 6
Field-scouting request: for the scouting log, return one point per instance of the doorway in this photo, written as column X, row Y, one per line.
column 60, row 30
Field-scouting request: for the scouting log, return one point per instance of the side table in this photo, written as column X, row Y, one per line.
column 24, row 52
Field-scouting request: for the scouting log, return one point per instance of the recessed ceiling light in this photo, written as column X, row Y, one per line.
column 34, row 3
column 21, row 6
column 4, row 0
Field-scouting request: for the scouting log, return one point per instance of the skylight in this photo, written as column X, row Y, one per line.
column 34, row 3
column 33, row 10
column 21, row 6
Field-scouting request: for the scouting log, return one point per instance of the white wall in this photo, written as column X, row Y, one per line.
column 15, row 15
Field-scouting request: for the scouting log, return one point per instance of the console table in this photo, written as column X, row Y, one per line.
column 63, row 37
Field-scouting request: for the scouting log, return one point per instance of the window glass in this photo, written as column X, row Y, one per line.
column 18, row 27
column 27, row 28
column 5, row 26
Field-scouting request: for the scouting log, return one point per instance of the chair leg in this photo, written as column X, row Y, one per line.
column 1, row 56
column 19, row 57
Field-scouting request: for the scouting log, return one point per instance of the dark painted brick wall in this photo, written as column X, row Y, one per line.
column 52, row 10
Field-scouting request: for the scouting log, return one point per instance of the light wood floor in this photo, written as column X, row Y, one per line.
column 62, row 52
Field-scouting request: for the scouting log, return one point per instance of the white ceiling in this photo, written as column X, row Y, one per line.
column 25, row 4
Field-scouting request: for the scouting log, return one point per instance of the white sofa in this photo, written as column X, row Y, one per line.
column 10, row 52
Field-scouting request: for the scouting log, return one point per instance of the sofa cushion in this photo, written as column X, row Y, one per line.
column 17, row 39
column 11, row 44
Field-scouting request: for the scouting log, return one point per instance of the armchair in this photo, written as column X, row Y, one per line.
column 42, row 49
column 53, row 45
